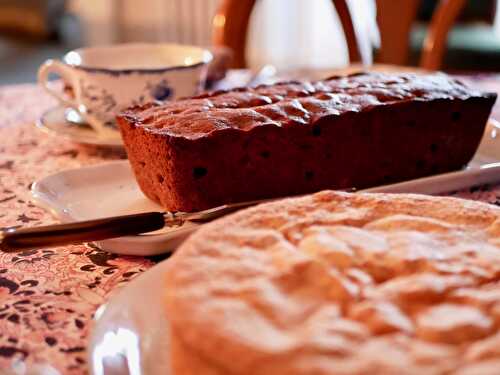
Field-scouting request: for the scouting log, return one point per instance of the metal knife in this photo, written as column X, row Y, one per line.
column 12, row 240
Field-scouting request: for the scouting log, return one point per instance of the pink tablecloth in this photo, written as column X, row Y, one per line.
column 48, row 297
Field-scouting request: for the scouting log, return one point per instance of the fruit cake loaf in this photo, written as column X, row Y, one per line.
column 297, row 137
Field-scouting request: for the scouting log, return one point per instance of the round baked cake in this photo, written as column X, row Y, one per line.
column 338, row 283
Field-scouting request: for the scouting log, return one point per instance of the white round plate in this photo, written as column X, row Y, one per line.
column 57, row 121
column 131, row 334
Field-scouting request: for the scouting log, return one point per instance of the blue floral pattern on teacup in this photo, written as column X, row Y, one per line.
column 160, row 91
column 100, row 103
column 104, row 100
column 99, row 89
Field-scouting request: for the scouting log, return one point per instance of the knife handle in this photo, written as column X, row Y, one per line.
column 12, row 240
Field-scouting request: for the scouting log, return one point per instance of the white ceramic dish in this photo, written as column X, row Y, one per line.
column 105, row 190
column 130, row 335
column 71, row 195
column 489, row 149
column 131, row 332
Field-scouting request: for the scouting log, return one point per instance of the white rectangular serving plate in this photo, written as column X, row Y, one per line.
column 110, row 189
column 104, row 190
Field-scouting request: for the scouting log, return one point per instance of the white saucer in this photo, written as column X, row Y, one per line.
column 65, row 122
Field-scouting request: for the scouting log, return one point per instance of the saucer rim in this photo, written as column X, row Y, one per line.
column 95, row 140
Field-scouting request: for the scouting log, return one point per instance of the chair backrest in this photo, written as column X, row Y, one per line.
column 435, row 42
column 394, row 19
column 230, row 27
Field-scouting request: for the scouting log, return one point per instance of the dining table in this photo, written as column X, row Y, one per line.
column 48, row 297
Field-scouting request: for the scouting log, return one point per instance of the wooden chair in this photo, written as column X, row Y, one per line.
column 394, row 36
column 394, row 19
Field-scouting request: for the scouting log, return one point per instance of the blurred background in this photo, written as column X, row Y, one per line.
column 285, row 33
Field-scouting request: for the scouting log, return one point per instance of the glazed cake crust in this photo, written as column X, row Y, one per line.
column 338, row 283
column 299, row 137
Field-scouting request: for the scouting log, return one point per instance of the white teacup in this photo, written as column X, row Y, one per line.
column 106, row 80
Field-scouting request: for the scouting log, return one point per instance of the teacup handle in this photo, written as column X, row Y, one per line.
column 59, row 68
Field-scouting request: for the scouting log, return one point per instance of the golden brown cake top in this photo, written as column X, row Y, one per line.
column 338, row 283
column 292, row 103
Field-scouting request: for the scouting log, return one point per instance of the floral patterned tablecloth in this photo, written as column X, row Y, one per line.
column 48, row 297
